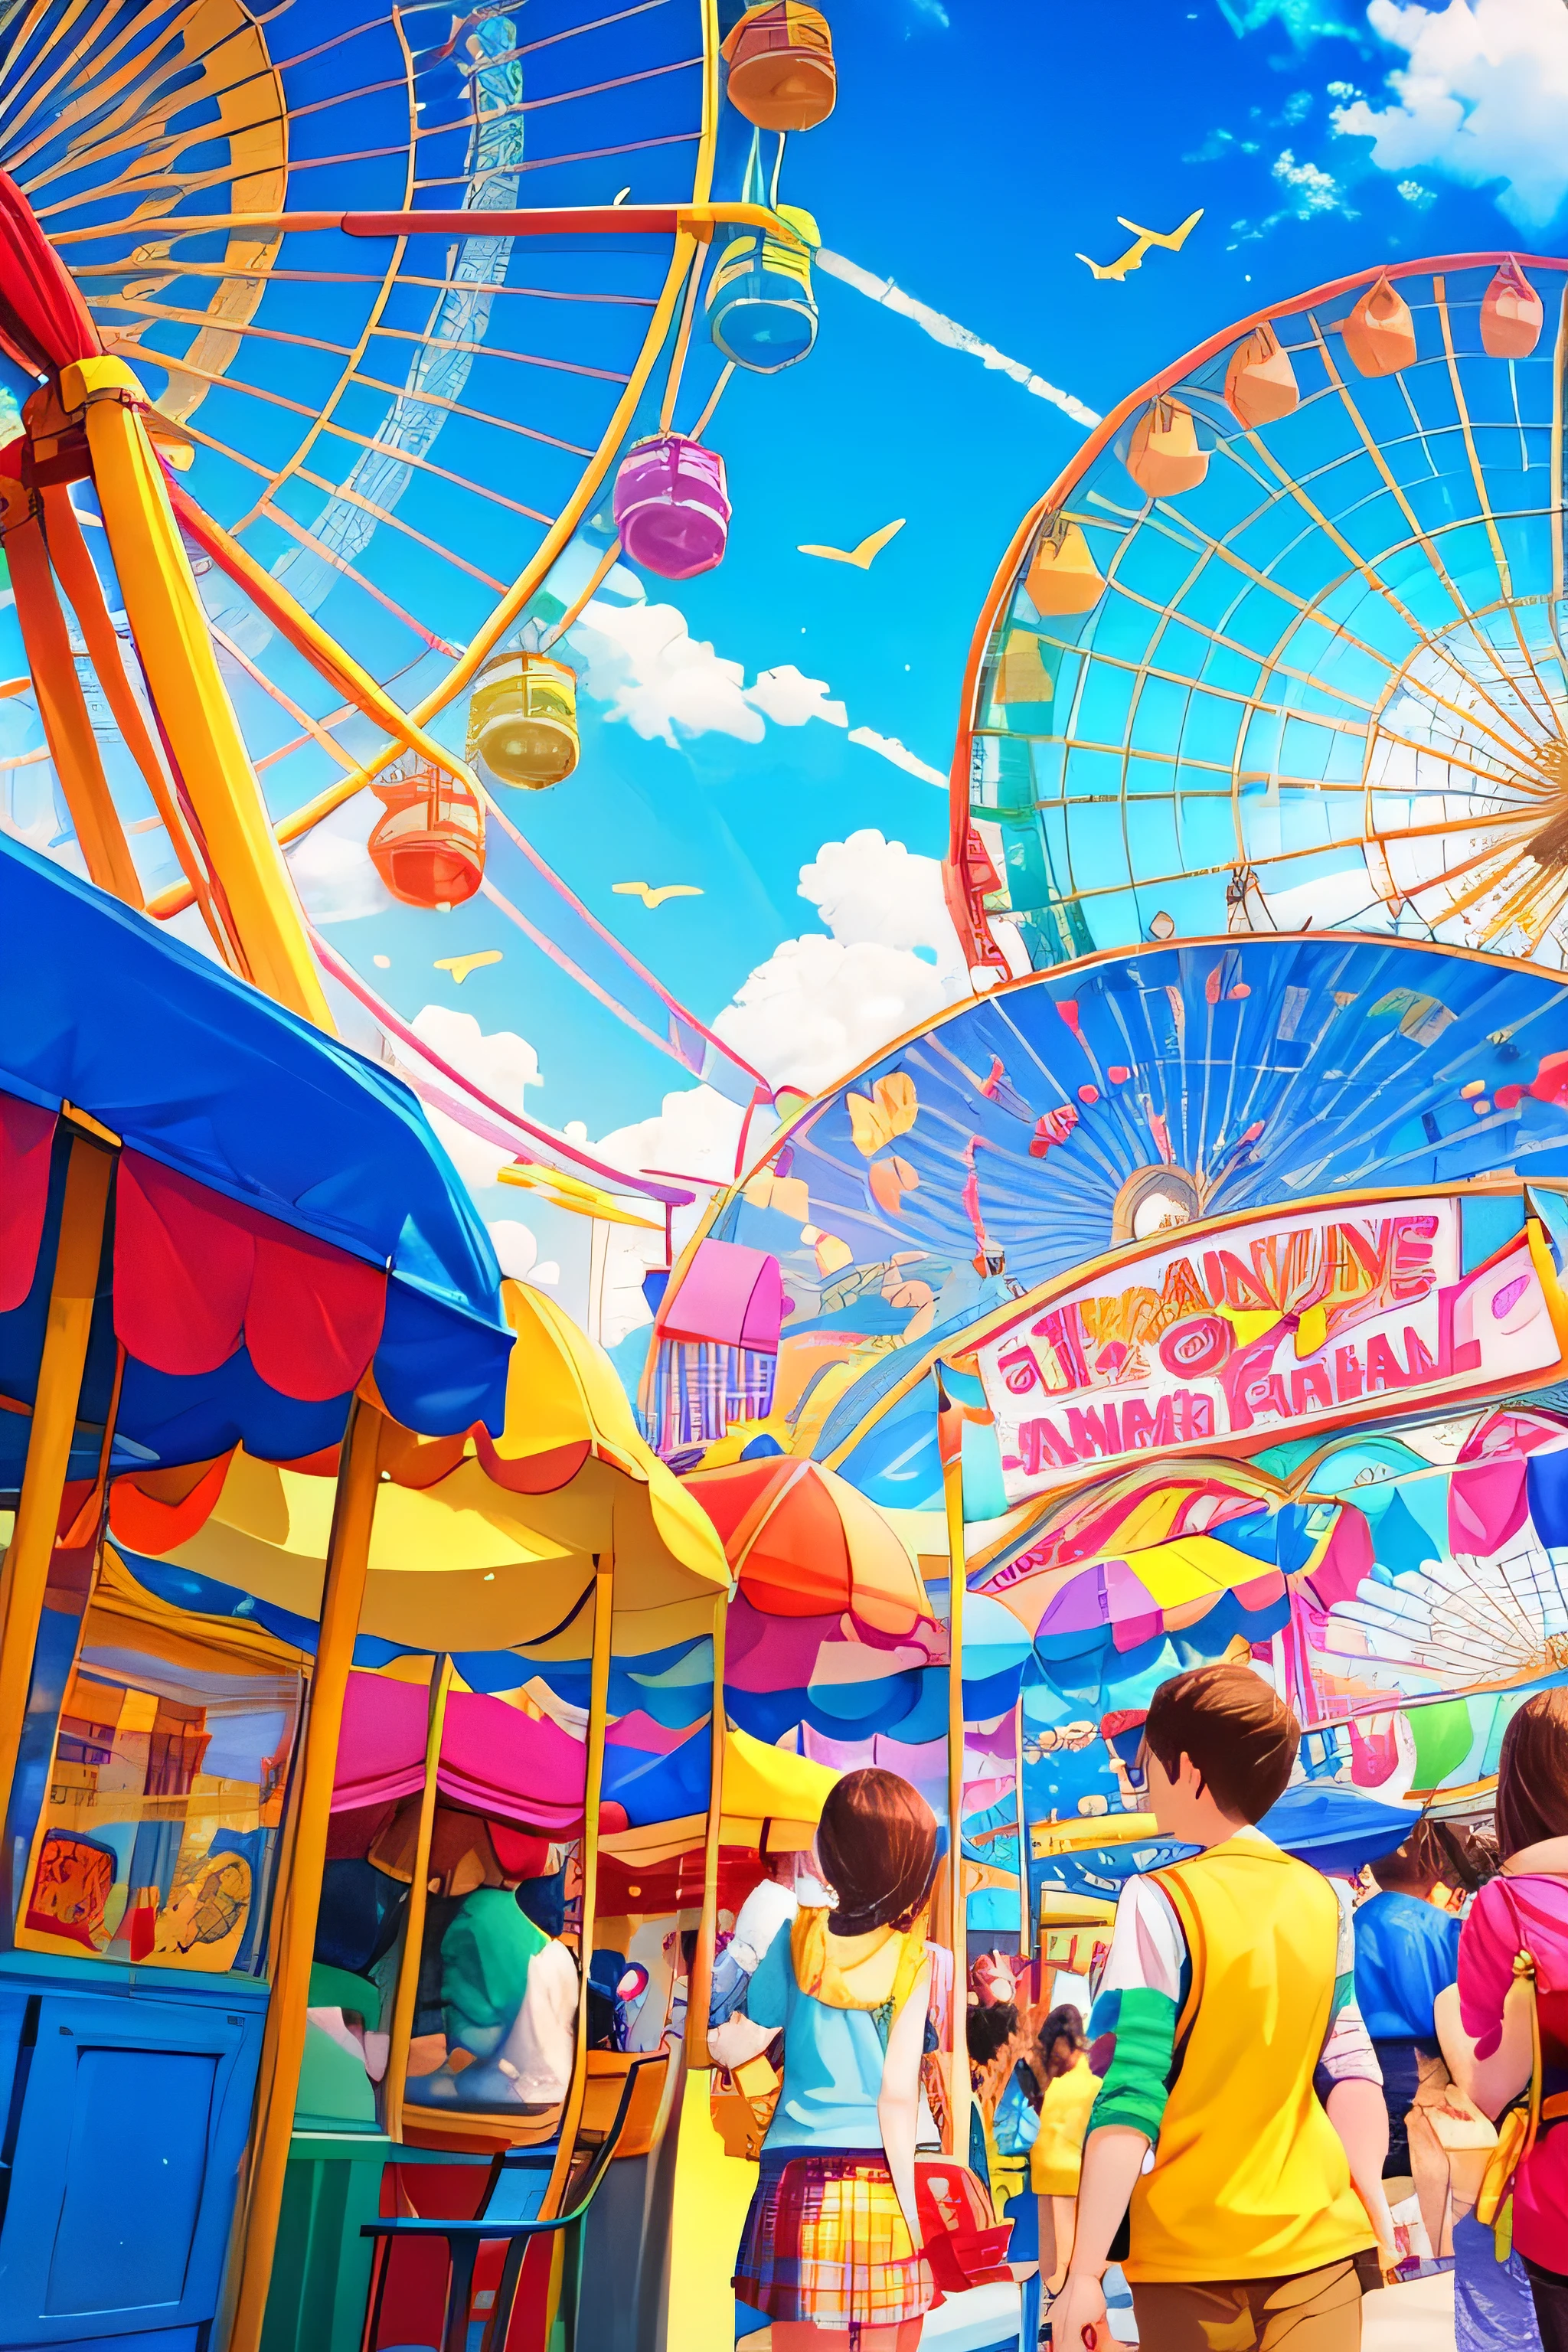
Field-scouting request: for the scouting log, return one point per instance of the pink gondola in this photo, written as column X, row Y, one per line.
column 672, row 506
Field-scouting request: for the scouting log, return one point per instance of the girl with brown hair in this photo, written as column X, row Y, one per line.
column 832, row 2249
column 1525, row 1910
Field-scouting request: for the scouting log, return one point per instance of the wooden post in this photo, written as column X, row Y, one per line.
column 953, row 1499
column 699, row 1985
column 418, row 1892
column 283, row 2044
column 26, row 1573
column 593, row 1791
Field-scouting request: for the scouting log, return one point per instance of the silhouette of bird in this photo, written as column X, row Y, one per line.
column 461, row 966
column 652, row 898
column 1134, row 256
column 866, row 554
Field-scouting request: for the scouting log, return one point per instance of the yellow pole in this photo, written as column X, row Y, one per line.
column 958, row 2089
column 418, row 1890
column 699, row 1988
column 62, row 708
column 26, row 1572
column 283, row 2044
column 170, row 626
column 78, row 577
column 593, row 1791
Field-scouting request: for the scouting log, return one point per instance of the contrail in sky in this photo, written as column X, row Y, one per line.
column 948, row 330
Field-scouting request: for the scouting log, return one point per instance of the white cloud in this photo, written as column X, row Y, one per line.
column 1312, row 189
column 642, row 661
column 497, row 1059
column 789, row 700
column 943, row 330
column 645, row 664
column 516, row 1248
column 694, row 1134
column 816, row 1008
column 888, row 747
column 818, row 1005
column 1483, row 98
column 874, row 892
column 331, row 868
column 500, row 1061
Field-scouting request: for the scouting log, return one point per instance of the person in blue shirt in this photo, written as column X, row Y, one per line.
column 1406, row 1951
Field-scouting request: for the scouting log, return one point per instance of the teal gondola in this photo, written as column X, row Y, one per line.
column 762, row 312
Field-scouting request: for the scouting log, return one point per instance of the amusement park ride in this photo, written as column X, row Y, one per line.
column 1193, row 1289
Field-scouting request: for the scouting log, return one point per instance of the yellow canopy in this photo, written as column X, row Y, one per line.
column 761, row 1784
column 482, row 1546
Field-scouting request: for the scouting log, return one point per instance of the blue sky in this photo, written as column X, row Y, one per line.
column 974, row 152
column 970, row 158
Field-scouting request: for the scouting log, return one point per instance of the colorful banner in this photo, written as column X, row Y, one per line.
column 1263, row 1328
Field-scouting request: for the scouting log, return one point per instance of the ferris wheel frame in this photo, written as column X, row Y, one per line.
column 964, row 890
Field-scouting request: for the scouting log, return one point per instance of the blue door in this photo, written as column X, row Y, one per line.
column 126, row 2130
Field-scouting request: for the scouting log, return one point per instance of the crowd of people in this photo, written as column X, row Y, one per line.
column 1289, row 2089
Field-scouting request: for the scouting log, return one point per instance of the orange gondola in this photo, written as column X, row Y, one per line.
column 429, row 847
column 1512, row 314
column 782, row 74
column 1380, row 333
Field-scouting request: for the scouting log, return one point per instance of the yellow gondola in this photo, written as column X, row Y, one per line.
column 523, row 720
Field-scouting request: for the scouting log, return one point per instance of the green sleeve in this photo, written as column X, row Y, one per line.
column 1133, row 2041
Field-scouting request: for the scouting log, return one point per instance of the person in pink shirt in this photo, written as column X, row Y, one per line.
column 1525, row 1909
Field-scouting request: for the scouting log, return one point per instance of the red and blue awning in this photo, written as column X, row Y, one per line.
column 284, row 1220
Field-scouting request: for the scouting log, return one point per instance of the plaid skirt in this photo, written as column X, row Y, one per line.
column 825, row 2241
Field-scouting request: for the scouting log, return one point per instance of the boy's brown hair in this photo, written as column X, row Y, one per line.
column 1229, row 1724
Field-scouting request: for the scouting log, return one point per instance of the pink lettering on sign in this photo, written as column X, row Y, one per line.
column 1020, row 1372
column 1198, row 1346
column 1349, row 1313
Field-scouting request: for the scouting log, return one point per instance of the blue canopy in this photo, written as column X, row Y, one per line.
column 198, row 1071
column 1335, row 1828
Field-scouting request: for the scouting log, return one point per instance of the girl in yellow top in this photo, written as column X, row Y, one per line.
column 1057, row 2152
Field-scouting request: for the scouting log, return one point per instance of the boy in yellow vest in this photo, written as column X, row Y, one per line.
column 1227, row 2007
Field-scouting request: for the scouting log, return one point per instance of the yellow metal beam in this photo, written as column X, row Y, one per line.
column 699, row 1985
column 593, row 1791
column 283, row 2044
column 418, row 1890
column 26, row 1572
column 958, row 1903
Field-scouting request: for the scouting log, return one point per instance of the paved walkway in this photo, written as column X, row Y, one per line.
column 1416, row 2318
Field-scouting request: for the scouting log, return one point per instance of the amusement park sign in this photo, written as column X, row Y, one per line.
column 1248, row 1331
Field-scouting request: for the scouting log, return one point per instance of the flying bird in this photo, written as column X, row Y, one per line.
column 866, row 554
column 1134, row 256
column 652, row 898
column 461, row 966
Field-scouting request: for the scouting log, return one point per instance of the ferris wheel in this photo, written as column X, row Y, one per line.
column 1285, row 643
column 393, row 292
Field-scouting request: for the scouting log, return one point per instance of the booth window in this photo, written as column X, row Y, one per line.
column 495, row 2011
column 156, row 1837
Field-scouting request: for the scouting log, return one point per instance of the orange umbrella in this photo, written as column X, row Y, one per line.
column 803, row 1542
